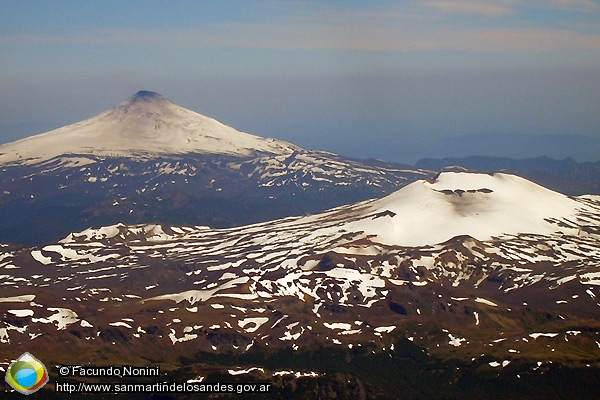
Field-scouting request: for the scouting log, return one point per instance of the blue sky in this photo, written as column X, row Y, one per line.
column 383, row 79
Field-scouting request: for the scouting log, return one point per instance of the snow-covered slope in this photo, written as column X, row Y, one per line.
column 479, row 205
column 346, row 278
column 144, row 124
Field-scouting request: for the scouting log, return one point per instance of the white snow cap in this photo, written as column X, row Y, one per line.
column 479, row 205
column 146, row 123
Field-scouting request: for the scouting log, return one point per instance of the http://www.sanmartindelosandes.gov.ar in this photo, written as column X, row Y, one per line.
column 27, row 374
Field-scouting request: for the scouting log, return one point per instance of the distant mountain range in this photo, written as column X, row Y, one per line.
column 518, row 146
column 566, row 176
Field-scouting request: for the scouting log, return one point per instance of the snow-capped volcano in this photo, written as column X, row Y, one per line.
column 144, row 124
column 482, row 206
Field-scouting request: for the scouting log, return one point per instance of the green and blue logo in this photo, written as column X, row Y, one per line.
column 27, row 374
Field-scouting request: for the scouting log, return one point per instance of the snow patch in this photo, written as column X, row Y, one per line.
column 21, row 313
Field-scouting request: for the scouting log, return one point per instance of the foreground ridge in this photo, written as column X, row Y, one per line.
column 328, row 279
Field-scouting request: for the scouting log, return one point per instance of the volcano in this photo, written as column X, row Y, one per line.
column 146, row 124
column 482, row 206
